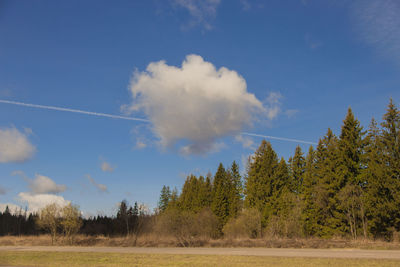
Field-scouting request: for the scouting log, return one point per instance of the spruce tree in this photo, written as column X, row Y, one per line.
column 351, row 185
column 390, row 141
column 165, row 196
column 297, row 169
column 379, row 202
column 309, row 218
column 260, row 180
column 328, row 216
column 220, row 201
column 236, row 191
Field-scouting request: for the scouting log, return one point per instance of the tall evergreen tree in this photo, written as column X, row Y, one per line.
column 390, row 140
column 165, row 196
column 297, row 169
column 329, row 218
column 221, row 192
column 309, row 218
column 260, row 180
column 236, row 191
column 351, row 184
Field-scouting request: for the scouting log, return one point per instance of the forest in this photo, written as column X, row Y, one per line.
column 347, row 186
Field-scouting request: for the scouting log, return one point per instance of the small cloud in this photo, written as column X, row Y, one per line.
column 273, row 105
column 36, row 202
column 15, row 146
column 44, row 185
column 41, row 184
column 312, row 42
column 246, row 142
column 202, row 12
column 100, row 187
column 140, row 144
column 291, row 113
column 106, row 167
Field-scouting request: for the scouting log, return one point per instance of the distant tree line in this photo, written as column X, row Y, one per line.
column 349, row 185
column 68, row 221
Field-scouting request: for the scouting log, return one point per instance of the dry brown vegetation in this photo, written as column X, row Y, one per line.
column 155, row 240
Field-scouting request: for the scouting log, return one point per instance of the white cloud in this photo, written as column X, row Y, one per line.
column 14, row 209
column 41, row 184
column 246, row 141
column 36, row 202
column 14, row 146
column 202, row 12
column 274, row 104
column 378, row 24
column 100, row 187
column 44, row 185
column 196, row 103
column 106, row 167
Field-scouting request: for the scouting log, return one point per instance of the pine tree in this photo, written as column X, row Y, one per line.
column 259, row 180
column 379, row 202
column 165, row 196
column 309, row 195
column 297, row 169
column 236, row 191
column 351, row 186
column 221, row 191
column 390, row 141
column 327, row 213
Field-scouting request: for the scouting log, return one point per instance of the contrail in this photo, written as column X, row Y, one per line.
column 280, row 138
column 73, row 110
column 134, row 119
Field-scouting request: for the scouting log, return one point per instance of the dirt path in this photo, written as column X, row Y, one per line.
column 280, row 252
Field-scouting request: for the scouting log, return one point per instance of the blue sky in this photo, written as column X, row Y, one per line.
column 278, row 68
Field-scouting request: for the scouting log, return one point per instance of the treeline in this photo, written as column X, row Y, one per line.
column 68, row 221
column 349, row 185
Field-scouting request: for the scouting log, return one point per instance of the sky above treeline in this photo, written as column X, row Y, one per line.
column 103, row 101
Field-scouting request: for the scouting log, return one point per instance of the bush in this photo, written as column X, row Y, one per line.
column 187, row 227
column 247, row 224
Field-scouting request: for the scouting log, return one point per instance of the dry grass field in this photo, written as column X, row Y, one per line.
column 62, row 259
column 157, row 241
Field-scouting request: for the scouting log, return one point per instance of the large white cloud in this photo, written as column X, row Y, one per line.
column 35, row 202
column 195, row 102
column 15, row 146
column 43, row 185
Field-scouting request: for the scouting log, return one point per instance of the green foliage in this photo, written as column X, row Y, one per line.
column 165, row 196
column 348, row 186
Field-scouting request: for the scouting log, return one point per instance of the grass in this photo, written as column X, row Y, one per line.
column 61, row 259
column 152, row 240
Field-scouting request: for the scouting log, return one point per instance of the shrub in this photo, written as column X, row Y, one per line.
column 247, row 224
